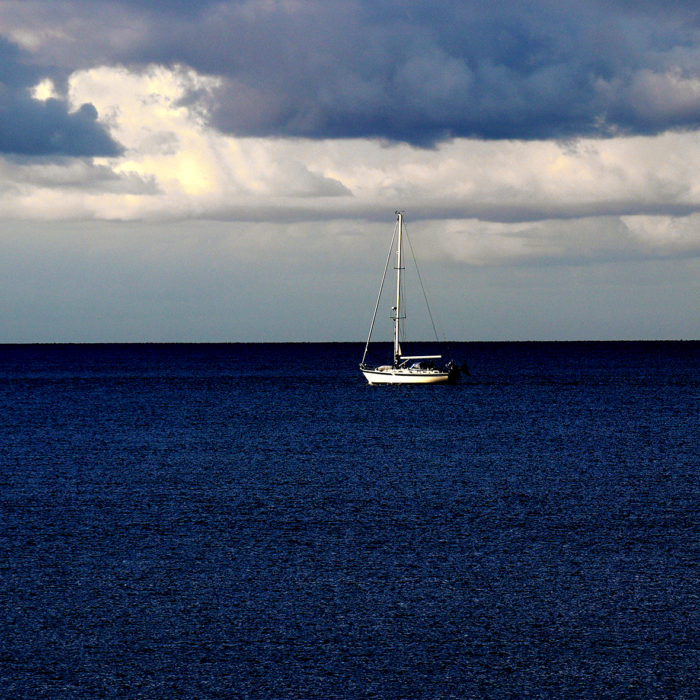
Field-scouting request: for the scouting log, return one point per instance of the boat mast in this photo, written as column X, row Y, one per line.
column 397, row 308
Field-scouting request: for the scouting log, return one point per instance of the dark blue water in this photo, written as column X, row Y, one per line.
column 218, row 521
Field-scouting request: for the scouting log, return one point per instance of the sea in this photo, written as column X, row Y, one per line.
column 255, row 521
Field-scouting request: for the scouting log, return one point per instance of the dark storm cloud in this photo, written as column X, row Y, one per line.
column 30, row 127
column 418, row 71
column 424, row 71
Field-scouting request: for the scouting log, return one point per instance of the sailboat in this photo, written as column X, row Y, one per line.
column 404, row 369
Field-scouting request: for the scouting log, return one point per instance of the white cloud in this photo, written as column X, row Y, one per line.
column 581, row 240
column 482, row 202
column 198, row 170
column 656, row 97
column 664, row 235
column 44, row 90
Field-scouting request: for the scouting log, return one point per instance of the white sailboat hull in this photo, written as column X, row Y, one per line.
column 403, row 375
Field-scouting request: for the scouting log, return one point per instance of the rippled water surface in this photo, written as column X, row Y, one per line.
column 214, row 521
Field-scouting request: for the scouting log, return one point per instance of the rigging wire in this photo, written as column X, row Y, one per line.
column 422, row 286
column 381, row 287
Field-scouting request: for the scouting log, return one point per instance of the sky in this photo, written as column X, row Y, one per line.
column 229, row 170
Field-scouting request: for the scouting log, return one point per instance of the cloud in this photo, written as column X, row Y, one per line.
column 482, row 203
column 172, row 165
column 30, row 126
column 195, row 170
column 582, row 241
column 405, row 71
